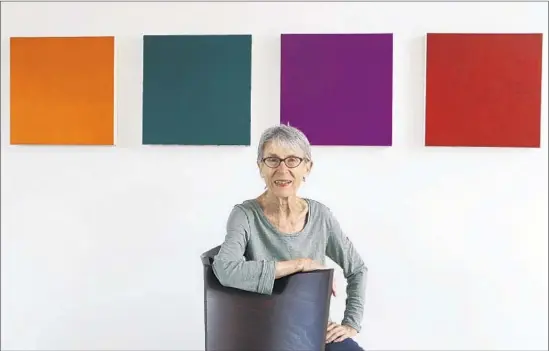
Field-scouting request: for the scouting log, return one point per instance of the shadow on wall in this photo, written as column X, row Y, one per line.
column 412, row 119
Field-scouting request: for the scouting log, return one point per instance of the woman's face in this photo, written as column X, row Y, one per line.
column 283, row 169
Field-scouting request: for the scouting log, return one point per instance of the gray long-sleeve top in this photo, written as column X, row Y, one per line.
column 252, row 246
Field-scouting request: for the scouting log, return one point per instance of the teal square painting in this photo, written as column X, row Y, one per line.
column 197, row 89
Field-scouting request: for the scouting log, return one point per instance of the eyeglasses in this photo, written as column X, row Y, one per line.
column 290, row 161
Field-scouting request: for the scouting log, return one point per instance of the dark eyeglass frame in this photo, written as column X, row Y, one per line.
column 280, row 160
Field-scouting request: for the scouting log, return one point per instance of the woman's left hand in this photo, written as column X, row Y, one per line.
column 337, row 332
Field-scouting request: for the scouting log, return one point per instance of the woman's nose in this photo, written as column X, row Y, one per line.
column 282, row 167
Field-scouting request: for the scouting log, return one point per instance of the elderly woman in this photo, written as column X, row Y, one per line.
column 297, row 232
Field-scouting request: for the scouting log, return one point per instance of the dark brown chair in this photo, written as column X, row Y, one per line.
column 293, row 317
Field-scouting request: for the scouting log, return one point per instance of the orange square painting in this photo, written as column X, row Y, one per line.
column 62, row 91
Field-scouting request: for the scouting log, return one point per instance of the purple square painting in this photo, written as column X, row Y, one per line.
column 338, row 88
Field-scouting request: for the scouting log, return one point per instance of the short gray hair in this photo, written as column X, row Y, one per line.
column 286, row 136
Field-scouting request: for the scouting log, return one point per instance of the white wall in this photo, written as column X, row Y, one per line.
column 100, row 246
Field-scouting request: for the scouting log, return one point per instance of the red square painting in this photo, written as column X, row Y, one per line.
column 483, row 90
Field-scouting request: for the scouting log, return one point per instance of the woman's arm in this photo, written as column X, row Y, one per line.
column 284, row 268
column 341, row 250
column 232, row 269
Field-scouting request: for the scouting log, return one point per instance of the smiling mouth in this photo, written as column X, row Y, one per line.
column 283, row 183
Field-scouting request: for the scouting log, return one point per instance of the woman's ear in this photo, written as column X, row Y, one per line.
column 260, row 170
column 309, row 167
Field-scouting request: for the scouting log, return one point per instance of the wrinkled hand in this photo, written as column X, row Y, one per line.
column 337, row 332
column 311, row 265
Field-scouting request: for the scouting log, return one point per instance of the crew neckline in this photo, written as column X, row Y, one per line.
column 271, row 226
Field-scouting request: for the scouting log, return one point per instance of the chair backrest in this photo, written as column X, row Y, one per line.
column 293, row 317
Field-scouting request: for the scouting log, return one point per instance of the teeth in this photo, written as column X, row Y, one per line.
column 283, row 181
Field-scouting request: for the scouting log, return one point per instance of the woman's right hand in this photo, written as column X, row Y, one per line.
column 309, row 265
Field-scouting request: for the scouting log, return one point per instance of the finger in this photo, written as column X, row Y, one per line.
column 335, row 333
column 334, row 289
column 341, row 338
column 330, row 331
column 331, row 326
